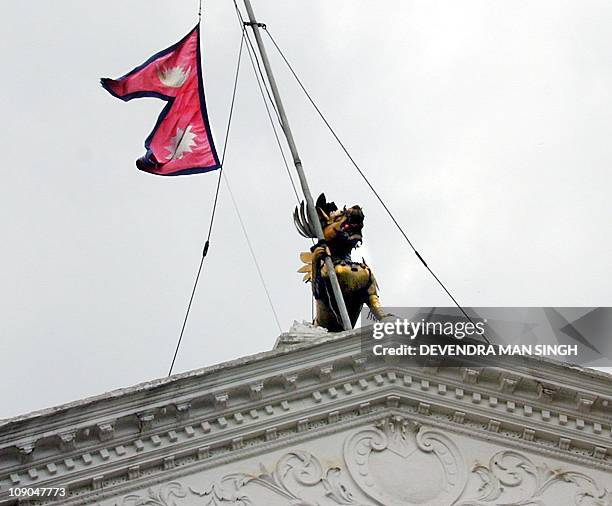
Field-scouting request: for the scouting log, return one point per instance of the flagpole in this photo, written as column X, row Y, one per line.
column 312, row 212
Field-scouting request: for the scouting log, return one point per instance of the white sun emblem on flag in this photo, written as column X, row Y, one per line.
column 173, row 77
column 181, row 143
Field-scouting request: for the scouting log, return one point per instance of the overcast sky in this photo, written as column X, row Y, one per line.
column 484, row 124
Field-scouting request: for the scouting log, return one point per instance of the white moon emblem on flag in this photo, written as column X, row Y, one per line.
column 173, row 77
column 181, row 143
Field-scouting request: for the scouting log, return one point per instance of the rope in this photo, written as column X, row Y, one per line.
column 367, row 181
column 214, row 208
column 252, row 251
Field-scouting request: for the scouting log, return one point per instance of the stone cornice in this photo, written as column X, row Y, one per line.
column 110, row 482
column 219, row 410
column 162, row 392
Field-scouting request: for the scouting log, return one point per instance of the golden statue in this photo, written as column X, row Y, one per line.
column 342, row 230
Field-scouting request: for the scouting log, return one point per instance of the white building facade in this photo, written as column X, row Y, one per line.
column 316, row 422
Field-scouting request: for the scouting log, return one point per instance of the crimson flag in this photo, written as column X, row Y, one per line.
column 181, row 142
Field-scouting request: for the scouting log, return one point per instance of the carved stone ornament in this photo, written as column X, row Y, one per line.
column 399, row 463
column 298, row 479
column 163, row 496
column 512, row 479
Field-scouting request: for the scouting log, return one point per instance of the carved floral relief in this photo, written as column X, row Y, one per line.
column 298, row 477
column 512, row 479
column 162, row 496
column 395, row 462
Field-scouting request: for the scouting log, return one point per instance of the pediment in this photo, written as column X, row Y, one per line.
column 254, row 405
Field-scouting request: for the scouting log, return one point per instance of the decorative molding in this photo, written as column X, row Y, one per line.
column 290, row 381
column 325, row 372
column 512, row 479
column 169, row 441
column 584, row 402
column 26, row 451
column 508, row 383
column 546, row 393
column 145, row 420
column 68, row 441
column 256, row 391
column 183, row 409
column 105, row 430
column 470, row 376
column 218, row 456
column 298, row 477
column 162, row 496
column 406, row 448
column 221, row 399
column 133, row 472
column 359, row 363
column 573, row 424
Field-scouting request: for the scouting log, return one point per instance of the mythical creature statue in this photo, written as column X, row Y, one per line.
column 342, row 230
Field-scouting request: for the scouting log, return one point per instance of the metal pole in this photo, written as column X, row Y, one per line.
column 312, row 212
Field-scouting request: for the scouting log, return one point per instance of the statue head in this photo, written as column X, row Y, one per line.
column 342, row 228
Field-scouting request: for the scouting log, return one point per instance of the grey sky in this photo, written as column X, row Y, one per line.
column 484, row 124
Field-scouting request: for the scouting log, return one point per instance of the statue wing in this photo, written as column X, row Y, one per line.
column 302, row 223
column 306, row 257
